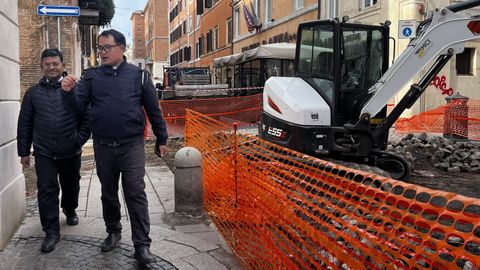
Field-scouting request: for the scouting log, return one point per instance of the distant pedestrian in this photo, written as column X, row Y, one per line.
column 57, row 136
column 117, row 93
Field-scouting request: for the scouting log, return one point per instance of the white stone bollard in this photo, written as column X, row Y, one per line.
column 188, row 181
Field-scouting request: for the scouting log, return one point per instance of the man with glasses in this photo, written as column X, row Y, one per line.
column 118, row 93
column 57, row 137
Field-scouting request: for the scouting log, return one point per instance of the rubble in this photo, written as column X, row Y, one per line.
column 443, row 154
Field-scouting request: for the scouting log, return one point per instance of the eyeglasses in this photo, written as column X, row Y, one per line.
column 53, row 64
column 107, row 48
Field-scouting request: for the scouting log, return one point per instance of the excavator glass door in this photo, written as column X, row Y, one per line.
column 342, row 61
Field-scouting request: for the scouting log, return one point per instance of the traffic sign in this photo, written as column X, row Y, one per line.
column 59, row 11
column 406, row 28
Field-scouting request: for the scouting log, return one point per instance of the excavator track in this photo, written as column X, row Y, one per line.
column 382, row 163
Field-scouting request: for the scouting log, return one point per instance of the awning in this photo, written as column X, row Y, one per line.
column 268, row 51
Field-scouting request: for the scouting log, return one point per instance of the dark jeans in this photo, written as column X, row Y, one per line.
column 49, row 172
column 129, row 161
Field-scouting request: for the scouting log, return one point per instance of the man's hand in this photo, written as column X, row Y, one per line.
column 68, row 83
column 25, row 161
column 162, row 149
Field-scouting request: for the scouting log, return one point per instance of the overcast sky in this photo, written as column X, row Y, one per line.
column 123, row 11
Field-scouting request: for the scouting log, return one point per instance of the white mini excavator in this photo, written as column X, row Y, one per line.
column 336, row 104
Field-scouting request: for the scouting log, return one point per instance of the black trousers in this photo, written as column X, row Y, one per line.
column 49, row 173
column 129, row 161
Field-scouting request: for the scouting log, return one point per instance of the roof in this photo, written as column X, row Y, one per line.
column 268, row 51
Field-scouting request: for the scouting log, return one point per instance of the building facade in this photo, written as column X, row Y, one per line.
column 156, row 38
column 12, row 180
column 138, row 39
column 41, row 32
column 203, row 30
column 459, row 75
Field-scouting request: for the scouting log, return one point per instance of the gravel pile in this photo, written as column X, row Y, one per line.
column 444, row 154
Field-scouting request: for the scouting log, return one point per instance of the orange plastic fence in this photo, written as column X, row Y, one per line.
column 244, row 110
column 458, row 119
column 279, row 209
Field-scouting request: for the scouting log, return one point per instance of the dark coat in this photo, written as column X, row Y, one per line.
column 55, row 132
column 117, row 98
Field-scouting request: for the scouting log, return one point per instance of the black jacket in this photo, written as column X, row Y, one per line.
column 117, row 98
column 55, row 132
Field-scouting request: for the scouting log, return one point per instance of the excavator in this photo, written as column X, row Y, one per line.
column 336, row 105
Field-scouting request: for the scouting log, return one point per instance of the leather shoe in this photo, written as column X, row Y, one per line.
column 72, row 218
column 144, row 256
column 48, row 245
column 111, row 241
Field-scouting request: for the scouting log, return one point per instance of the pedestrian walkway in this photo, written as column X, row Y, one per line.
column 179, row 242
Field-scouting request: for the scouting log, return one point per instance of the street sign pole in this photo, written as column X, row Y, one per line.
column 58, row 11
column 58, row 34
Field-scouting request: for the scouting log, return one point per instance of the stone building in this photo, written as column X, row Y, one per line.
column 78, row 36
column 138, row 39
column 156, row 38
column 41, row 32
column 12, row 180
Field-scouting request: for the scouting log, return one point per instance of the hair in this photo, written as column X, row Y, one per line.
column 118, row 37
column 52, row 53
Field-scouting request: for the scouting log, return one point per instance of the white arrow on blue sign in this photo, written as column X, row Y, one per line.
column 59, row 11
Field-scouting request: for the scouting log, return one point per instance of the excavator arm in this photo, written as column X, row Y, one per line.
column 438, row 38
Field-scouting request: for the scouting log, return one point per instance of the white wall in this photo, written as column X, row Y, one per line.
column 157, row 72
column 12, row 180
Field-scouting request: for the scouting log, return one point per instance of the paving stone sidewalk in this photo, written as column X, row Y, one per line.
column 179, row 242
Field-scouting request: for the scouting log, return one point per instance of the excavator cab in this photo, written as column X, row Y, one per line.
column 336, row 65
column 341, row 61
column 336, row 104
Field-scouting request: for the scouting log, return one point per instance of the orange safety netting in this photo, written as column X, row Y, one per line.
column 244, row 110
column 456, row 119
column 280, row 209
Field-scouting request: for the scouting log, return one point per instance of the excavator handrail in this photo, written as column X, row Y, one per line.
column 463, row 5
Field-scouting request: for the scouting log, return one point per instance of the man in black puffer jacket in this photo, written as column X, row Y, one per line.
column 58, row 137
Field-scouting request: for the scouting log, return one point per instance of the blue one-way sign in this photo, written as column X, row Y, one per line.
column 59, row 11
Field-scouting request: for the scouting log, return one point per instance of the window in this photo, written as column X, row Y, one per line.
column 268, row 11
column 237, row 22
column 200, row 46
column 187, row 52
column 465, row 62
column 209, row 41
column 229, row 31
column 256, row 6
column 298, row 4
column 189, row 23
column 197, row 50
column 208, row 3
column 369, row 3
column 197, row 22
column 333, row 9
column 215, row 38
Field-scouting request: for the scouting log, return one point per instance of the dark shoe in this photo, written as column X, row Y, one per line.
column 143, row 255
column 48, row 245
column 72, row 218
column 111, row 241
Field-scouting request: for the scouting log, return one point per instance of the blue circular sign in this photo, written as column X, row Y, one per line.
column 407, row 31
